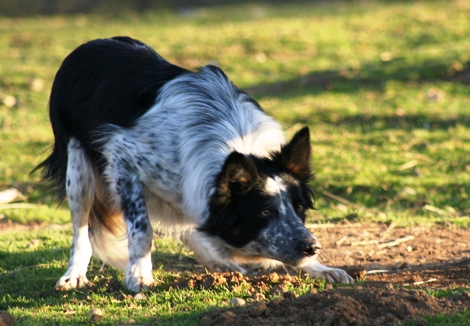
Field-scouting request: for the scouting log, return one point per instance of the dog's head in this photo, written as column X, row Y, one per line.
column 260, row 204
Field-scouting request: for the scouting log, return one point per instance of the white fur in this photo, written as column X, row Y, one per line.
column 79, row 187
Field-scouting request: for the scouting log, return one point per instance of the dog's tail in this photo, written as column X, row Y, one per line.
column 112, row 249
column 55, row 165
column 107, row 229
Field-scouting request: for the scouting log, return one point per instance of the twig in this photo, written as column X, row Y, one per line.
column 342, row 200
column 340, row 241
column 408, row 165
column 436, row 210
column 395, row 242
column 376, row 271
column 387, row 231
column 364, row 243
column 420, row 282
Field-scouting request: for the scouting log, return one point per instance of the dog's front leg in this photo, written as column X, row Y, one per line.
column 139, row 232
column 207, row 253
column 315, row 269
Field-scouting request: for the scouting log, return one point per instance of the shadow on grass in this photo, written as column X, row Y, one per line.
column 31, row 276
column 369, row 122
column 400, row 199
column 28, row 282
column 369, row 77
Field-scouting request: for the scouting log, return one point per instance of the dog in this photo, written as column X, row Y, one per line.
column 142, row 144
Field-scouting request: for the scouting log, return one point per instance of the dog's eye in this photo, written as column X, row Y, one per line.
column 300, row 208
column 266, row 212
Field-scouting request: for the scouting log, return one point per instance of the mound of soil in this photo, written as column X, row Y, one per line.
column 237, row 282
column 398, row 266
column 342, row 306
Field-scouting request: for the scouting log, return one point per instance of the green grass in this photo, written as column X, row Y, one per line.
column 361, row 75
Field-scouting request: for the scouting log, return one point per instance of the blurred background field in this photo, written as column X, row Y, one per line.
column 383, row 85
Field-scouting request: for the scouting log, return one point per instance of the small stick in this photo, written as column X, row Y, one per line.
column 342, row 200
column 395, row 242
column 420, row 282
column 364, row 243
column 436, row 210
column 376, row 271
column 408, row 165
column 340, row 241
column 387, row 231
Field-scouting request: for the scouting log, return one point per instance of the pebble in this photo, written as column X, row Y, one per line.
column 258, row 296
column 258, row 309
column 356, row 272
column 277, row 301
column 140, row 296
column 96, row 314
column 289, row 295
column 228, row 315
column 36, row 84
column 312, row 291
column 237, row 302
column 7, row 319
column 9, row 101
column 277, row 290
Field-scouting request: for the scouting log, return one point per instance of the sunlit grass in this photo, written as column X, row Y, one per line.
column 373, row 81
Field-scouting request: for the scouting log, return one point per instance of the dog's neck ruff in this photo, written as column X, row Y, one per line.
column 207, row 118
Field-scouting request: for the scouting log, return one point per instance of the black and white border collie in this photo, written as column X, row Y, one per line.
column 141, row 144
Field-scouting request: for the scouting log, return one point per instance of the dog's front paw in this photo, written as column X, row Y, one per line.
column 139, row 275
column 72, row 281
column 138, row 283
column 332, row 275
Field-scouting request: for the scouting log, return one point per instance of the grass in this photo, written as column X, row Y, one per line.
column 374, row 81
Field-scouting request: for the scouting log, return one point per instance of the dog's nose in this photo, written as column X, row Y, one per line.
column 309, row 246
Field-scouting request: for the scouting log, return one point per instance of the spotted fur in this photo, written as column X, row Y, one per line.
column 142, row 144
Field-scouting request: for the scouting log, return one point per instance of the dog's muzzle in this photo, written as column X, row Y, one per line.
column 308, row 246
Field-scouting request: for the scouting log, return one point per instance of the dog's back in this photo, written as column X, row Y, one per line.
column 105, row 81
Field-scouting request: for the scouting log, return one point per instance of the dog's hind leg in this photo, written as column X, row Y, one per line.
column 80, row 190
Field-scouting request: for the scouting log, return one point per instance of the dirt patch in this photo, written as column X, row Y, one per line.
column 399, row 266
column 342, row 306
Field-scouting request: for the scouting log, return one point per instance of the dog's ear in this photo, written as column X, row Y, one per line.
column 295, row 155
column 238, row 176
